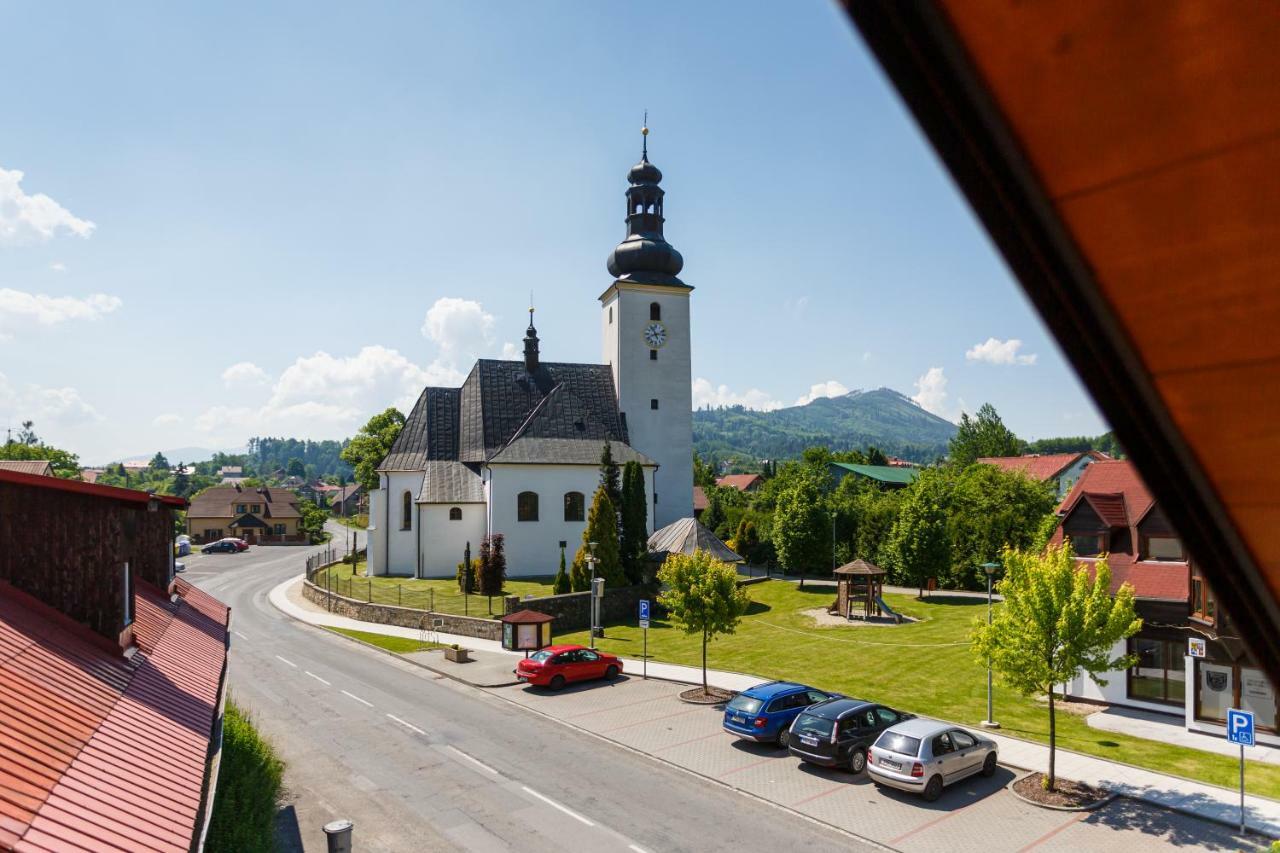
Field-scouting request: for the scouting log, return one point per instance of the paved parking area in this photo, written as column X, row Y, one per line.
column 976, row 814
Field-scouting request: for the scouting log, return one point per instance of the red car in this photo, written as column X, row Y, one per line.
column 556, row 666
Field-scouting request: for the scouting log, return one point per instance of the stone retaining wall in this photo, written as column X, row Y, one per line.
column 572, row 610
column 404, row 617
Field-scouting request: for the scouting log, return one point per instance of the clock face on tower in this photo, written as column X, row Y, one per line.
column 654, row 335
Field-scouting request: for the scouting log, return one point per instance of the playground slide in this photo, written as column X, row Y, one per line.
column 887, row 609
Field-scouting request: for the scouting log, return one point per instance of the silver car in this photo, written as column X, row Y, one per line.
column 921, row 756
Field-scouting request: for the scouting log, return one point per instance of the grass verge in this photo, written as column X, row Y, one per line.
column 438, row 594
column 244, row 805
column 399, row 645
column 926, row 667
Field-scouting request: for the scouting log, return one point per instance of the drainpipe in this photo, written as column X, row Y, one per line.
column 386, row 527
column 417, row 545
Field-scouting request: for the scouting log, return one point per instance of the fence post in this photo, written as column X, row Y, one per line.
column 370, row 580
column 400, row 595
column 432, row 606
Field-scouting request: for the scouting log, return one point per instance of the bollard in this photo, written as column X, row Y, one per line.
column 338, row 835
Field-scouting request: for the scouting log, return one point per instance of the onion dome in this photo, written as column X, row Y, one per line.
column 645, row 256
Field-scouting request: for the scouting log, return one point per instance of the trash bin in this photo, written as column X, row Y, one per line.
column 338, row 835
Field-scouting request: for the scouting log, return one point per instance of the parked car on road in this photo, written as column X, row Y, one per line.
column 765, row 712
column 556, row 666
column 222, row 546
column 179, row 568
column 240, row 544
column 838, row 732
column 922, row 756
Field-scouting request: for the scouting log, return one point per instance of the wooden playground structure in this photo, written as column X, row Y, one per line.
column 860, row 586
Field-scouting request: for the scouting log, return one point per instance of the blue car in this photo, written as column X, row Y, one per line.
column 764, row 713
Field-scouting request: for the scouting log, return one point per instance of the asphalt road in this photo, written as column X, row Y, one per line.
column 420, row 762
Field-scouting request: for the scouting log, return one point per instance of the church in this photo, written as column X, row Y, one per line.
column 516, row 449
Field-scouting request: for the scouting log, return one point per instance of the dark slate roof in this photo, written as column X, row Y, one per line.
column 502, row 409
column 451, row 483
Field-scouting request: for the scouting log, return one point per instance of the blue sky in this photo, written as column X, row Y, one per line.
column 234, row 220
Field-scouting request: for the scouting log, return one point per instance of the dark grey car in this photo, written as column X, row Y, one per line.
column 838, row 732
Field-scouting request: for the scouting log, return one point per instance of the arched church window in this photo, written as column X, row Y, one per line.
column 655, row 311
column 455, row 513
column 406, row 511
column 527, row 506
column 573, row 506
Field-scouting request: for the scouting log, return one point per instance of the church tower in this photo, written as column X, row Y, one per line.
column 645, row 322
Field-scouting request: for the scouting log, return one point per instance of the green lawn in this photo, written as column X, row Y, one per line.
column 925, row 667
column 360, row 522
column 438, row 594
column 399, row 645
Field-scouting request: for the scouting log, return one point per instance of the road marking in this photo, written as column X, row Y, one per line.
column 1042, row 839
column 406, row 725
column 241, row 636
column 317, row 678
column 477, row 762
column 570, row 812
column 358, row 699
column 291, row 663
column 637, row 848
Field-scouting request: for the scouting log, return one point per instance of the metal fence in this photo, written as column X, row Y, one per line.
column 339, row 578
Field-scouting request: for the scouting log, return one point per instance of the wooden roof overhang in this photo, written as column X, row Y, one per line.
column 1124, row 159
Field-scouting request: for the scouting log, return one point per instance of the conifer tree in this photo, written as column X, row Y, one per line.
column 602, row 529
column 635, row 522
column 561, row 584
column 610, row 479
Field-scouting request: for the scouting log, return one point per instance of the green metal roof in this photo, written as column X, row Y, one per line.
column 881, row 473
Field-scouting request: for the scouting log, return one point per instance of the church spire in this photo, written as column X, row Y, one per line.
column 645, row 256
column 531, row 345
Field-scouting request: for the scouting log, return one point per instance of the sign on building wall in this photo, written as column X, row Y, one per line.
column 1196, row 647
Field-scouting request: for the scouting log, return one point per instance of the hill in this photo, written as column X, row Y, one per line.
column 883, row 417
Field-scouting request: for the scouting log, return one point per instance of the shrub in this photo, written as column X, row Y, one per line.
column 244, row 805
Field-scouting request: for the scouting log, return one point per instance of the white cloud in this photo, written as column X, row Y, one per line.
column 245, row 374
column 511, row 352
column 995, row 351
column 706, row 394
column 33, row 218
column 19, row 308
column 168, row 419
column 931, row 392
column 53, row 406
column 58, row 266
column 460, row 327
column 830, row 388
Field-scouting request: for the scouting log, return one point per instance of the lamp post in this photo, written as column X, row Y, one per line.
column 591, row 561
column 833, row 540
column 989, row 722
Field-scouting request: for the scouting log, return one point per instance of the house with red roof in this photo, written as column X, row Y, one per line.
column 1063, row 470
column 741, row 482
column 1111, row 514
column 112, row 672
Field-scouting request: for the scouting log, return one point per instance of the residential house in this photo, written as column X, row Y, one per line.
column 264, row 516
column 741, row 482
column 38, row 467
column 1061, row 470
column 1111, row 513
column 347, row 500
column 886, row 476
column 112, row 673
column 700, row 502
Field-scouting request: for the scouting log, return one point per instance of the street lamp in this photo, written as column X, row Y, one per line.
column 591, row 561
column 989, row 722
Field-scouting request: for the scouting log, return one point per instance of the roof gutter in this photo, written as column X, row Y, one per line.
column 215, row 747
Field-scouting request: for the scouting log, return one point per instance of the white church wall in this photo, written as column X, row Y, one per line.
column 401, row 539
column 377, row 550
column 664, row 434
column 533, row 547
column 443, row 542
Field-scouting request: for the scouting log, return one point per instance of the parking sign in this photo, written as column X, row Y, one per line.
column 644, row 613
column 1240, row 727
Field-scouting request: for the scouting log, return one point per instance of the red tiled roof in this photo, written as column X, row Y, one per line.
column 741, row 482
column 1117, row 494
column 102, row 753
column 699, row 498
column 81, row 487
column 1034, row 465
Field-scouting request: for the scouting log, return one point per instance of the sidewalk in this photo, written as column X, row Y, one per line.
column 1194, row 798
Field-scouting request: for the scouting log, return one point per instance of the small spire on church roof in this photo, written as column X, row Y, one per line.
column 644, row 133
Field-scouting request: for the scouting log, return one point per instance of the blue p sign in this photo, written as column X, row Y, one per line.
column 1240, row 727
column 644, row 610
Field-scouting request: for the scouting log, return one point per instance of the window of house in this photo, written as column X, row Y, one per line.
column 240, row 508
column 1088, row 544
column 126, row 587
column 255, row 508
column 574, row 503
column 406, row 511
column 279, row 528
column 455, row 513
column 1163, row 548
column 527, row 506
column 653, row 355
column 1203, row 606
column 1160, row 674
column 653, row 404
column 655, row 311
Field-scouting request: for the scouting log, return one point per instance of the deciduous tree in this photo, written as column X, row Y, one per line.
column 370, row 446
column 919, row 543
column 702, row 596
column 802, row 529
column 983, row 435
column 1058, row 620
